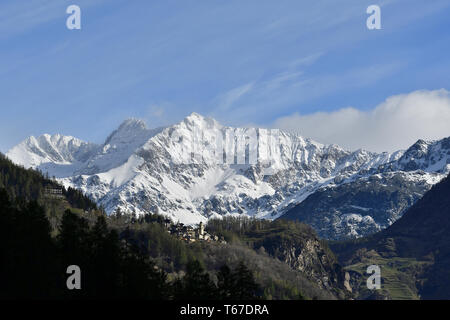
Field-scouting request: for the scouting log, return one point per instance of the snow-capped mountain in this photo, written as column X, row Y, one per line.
column 56, row 154
column 118, row 147
column 56, row 149
column 374, row 199
column 428, row 156
column 197, row 169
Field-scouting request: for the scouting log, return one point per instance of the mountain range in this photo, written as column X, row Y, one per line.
column 340, row 193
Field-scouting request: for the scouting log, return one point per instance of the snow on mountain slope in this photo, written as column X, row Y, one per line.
column 118, row 147
column 428, row 156
column 198, row 169
column 57, row 154
column 364, row 205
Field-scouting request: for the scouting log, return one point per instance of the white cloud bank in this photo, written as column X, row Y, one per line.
column 395, row 124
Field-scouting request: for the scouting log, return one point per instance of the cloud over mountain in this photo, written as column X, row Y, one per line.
column 394, row 124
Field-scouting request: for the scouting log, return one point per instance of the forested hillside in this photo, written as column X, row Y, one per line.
column 294, row 243
column 123, row 256
column 23, row 185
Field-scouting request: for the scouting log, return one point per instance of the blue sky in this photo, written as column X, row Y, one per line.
column 242, row 62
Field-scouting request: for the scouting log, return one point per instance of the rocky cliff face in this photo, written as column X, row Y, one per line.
column 312, row 260
column 300, row 248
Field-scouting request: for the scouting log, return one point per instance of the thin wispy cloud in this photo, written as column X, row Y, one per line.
column 227, row 100
column 295, row 88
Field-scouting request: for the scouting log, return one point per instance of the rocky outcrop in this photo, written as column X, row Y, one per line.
column 311, row 256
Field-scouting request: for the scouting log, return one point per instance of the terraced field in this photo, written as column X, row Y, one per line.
column 399, row 277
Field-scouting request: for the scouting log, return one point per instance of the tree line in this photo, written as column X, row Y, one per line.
column 33, row 264
column 24, row 185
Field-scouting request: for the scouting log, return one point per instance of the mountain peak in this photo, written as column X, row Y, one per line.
column 46, row 148
column 133, row 123
column 195, row 116
column 197, row 120
column 128, row 130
